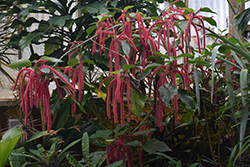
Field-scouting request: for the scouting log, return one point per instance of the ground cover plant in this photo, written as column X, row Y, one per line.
column 130, row 87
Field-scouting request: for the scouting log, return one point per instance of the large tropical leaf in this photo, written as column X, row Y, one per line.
column 8, row 143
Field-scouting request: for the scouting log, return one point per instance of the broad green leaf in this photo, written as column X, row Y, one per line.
column 143, row 75
column 153, row 145
column 137, row 102
column 51, row 45
column 182, row 25
column 63, row 114
column 210, row 21
column 8, row 143
column 126, row 48
column 206, row 9
column 38, row 135
column 180, row 4
column 31, row 37
column 185, row 98
column 133, row 143
column 97, row 7
column 20, row 63
column 85, row 145
column 245, row 103
column 127, row 66
column 101, row 133
column 114, row 3
column 90, row 30
column 59, row 20
column 167, row 92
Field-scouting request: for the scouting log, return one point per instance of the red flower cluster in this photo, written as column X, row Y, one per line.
column 37, row 89
column 161, row 29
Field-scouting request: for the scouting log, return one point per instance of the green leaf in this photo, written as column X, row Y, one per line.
column 97, row 7
column 51, row 59
column 115, row 164
column 206, row 9
column 90, row 30
column 8, row 143
column 230, row 91
column 38, row 135
column 180, row 4
column 127, row 66
column 63, row 114
column 152, row 65
column 31, row 37
column 185, row 98
column 245, row 103
column 85, row 145
column 213, row 59
column 68, row 146
column 101, row 133
column 197, row 90
column 73, row 161
column 143, row 75
column 133, row 143
column 51, row 45
column 210, row 21
column 153, row 145
column 59, row 20
column 125, row 48
column 114, row 3
column 137, row 102
column 20, row 63
column 127, row 7
column 167, row 92
column 144, row 131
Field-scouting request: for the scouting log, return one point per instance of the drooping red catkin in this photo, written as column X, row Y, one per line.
column 108, row 98
column 115, row 103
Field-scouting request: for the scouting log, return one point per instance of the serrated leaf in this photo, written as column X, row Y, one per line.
column 210, row 21
column 101, row 133
column 20, row 63
column 31, row 37
column 153, row 145
column 167, row 92
column 125, row 48
column 137, row 102
column 186, row 99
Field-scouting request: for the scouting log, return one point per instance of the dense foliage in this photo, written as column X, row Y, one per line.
column 128, row 84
